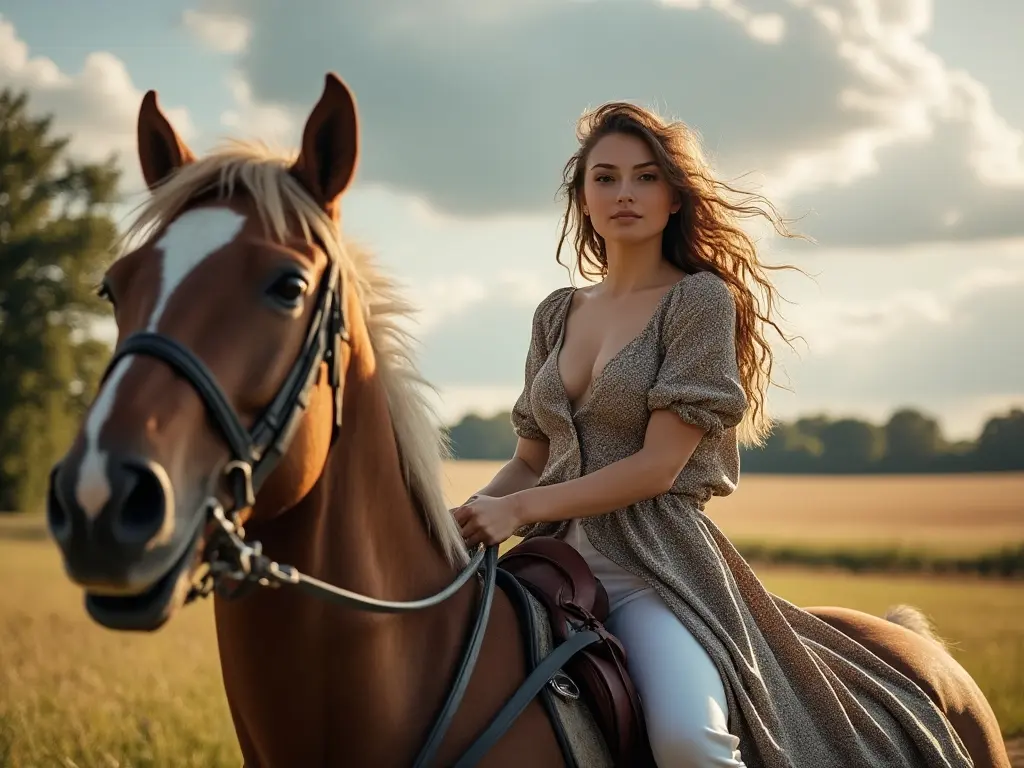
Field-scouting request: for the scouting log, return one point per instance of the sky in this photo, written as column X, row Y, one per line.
column 892, row 129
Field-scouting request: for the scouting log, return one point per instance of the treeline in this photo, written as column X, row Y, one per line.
column 908, row 442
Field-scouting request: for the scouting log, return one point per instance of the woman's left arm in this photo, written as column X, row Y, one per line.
column 668, row 444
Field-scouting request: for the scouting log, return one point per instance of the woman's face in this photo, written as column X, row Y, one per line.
column 625, row 193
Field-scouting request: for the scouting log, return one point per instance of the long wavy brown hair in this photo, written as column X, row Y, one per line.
column 704, row 235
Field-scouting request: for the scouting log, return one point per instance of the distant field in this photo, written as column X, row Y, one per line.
column 74, row 695
column 948, row 513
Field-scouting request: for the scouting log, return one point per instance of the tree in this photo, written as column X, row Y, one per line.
column 490, row 439
column 1000, row 446
column 56, row 235
column 912, row 441
column 851, row 445
column 813, row 426
column 788, row 450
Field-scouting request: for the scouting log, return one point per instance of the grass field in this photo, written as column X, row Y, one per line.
column 72, row 694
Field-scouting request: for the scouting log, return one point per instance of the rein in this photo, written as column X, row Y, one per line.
column 246, row 563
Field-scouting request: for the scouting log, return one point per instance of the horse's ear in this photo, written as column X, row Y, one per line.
column 161, row 150
column 330, row 145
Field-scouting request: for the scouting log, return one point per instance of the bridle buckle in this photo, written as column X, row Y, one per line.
column 245, row 494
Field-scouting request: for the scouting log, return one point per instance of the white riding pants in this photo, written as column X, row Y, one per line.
column 679, row 686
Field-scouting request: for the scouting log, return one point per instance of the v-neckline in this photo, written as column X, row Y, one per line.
column 592, row 386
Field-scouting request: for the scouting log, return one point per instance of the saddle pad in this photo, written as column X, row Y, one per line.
column 581, row 732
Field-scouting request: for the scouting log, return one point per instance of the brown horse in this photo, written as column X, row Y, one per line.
column 261, row 377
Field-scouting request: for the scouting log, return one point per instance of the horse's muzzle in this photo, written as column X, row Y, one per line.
column 122, row 545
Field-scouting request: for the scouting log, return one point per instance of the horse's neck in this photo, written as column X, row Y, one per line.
column 358, row 529
column 374, row 537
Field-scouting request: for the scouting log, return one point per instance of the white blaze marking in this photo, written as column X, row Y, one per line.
column 185, row 244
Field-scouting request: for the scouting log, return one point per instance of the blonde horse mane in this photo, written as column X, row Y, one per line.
column 263, row 175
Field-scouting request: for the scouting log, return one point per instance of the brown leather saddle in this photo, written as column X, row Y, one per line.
column 576, row 601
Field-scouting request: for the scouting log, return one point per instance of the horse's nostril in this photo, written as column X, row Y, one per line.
column 143, row 507
column 57, row 517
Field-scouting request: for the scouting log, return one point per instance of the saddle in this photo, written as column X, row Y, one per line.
column 560, row 579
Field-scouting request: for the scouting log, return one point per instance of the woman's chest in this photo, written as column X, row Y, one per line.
column 614, row 384
column 596, row 334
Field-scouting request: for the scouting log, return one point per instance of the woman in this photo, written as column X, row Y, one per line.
column 638, row 391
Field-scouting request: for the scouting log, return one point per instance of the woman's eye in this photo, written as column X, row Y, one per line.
column 289, row 289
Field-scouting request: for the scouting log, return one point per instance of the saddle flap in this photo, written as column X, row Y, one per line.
column 612, row 697
column 559, row 574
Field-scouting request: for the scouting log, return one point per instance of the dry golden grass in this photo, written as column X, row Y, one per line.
column 73, row 694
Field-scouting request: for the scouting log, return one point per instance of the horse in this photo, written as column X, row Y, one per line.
column 263, row 389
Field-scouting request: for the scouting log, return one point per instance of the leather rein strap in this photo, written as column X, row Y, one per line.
column 255, row 454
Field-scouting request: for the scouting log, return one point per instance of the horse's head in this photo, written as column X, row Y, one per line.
column 230, row 314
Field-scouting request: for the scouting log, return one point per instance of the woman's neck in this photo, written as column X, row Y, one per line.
column 635, row 266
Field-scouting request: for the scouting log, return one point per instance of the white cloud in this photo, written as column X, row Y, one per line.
column 832, row 326
column 470, row 106
column 949, row 346
column 443, row 297
column 97, row 108
column 923, row 110
column 763, row 27
column 222, row 32
column 767, row 27
column 271, row 124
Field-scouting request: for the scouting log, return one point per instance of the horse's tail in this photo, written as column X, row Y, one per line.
column 916, row 621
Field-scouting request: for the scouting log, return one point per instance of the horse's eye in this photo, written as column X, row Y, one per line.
column 288, row 289
column 105, row 293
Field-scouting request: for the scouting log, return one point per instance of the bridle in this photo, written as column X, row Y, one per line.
column 254, row 454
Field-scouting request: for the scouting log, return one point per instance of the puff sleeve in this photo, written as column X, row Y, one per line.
column 523, row 421
column 698, row 378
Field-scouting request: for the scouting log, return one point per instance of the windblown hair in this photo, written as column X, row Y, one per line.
column 704, row 235
column 253, row 170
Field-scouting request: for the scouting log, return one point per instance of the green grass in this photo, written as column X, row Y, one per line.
column 73, row 694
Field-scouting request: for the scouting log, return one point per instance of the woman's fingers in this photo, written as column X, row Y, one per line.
column 468, row 527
